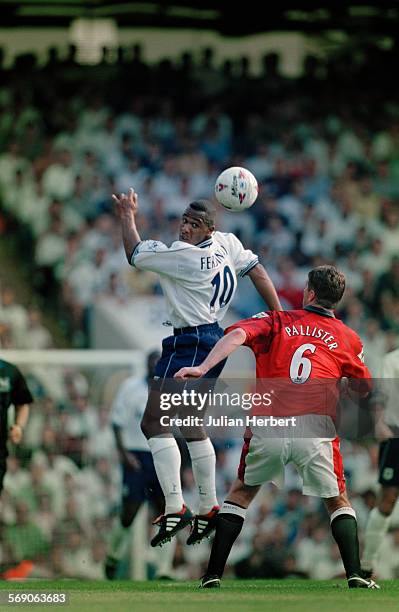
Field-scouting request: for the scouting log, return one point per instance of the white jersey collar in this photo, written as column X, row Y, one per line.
column 205, row 243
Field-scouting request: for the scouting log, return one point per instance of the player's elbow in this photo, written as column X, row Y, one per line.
column 238, row 336
column 258, row 271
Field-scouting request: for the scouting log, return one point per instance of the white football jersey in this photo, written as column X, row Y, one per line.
column 127, row 412
column 198, row 281
column 389, row 384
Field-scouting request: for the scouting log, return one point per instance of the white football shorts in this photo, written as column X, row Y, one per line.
column 318, row 461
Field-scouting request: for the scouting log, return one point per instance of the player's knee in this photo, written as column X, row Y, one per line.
column 150, row 427
column 339, row 502
column 193, row 434
column 145, row 427
column 242, row 494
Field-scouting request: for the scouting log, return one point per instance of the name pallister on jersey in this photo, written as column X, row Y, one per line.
column 313, row 332
column 213, row 261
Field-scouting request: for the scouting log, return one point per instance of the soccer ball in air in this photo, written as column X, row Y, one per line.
column 236, row 189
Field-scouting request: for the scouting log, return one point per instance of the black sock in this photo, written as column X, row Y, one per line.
column 228, row 527
column 344, row 530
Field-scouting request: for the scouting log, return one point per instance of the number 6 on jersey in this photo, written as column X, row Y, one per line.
column 301, row 367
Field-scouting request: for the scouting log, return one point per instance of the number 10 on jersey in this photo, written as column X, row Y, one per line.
column 223, row 284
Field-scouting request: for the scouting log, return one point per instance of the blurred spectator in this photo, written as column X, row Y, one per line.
column 14, row 316
column 58, row 179
column 374, row 345
column 37, row 337
column 24, row 537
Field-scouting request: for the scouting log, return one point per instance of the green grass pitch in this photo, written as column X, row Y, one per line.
column 234, row 596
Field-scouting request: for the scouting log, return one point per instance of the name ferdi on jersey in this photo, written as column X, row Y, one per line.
column 213, row 261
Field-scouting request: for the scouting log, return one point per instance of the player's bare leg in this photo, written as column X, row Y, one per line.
column 242, row 494
column 119, row 537
column 377, row 526
column 344, row 530
column 229, row 523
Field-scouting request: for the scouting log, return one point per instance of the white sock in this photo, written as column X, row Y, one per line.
column 167, row 461
column 232, row 508
column 343, row 510
column 203, row 462
column 118, row 541
column 165, row 556
column 376, row 528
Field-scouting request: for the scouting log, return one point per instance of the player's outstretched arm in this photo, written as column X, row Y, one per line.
column 126, row 208
column 222, row 349
column 264, row 286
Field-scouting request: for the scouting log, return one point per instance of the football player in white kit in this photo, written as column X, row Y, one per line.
column 139, row 479
column 387, row 433
column 198, row 275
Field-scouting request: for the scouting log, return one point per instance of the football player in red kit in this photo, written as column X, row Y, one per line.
column 304, row 352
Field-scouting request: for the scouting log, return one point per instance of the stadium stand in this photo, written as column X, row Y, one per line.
column 325, row 149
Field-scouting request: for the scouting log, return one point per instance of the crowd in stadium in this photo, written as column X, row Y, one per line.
column 328, row 172
column 62, row 492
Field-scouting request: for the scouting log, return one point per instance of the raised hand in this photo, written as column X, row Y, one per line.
column 126, row 204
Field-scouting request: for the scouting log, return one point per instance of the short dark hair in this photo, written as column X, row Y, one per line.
column 328, row 283
column 206, row 210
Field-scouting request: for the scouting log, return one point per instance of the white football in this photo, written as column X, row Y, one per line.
column 236, row 189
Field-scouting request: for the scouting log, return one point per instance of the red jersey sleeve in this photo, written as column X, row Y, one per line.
column 355, row 369
column 258, row 330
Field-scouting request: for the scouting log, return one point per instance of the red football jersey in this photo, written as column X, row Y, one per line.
column 302, row 355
